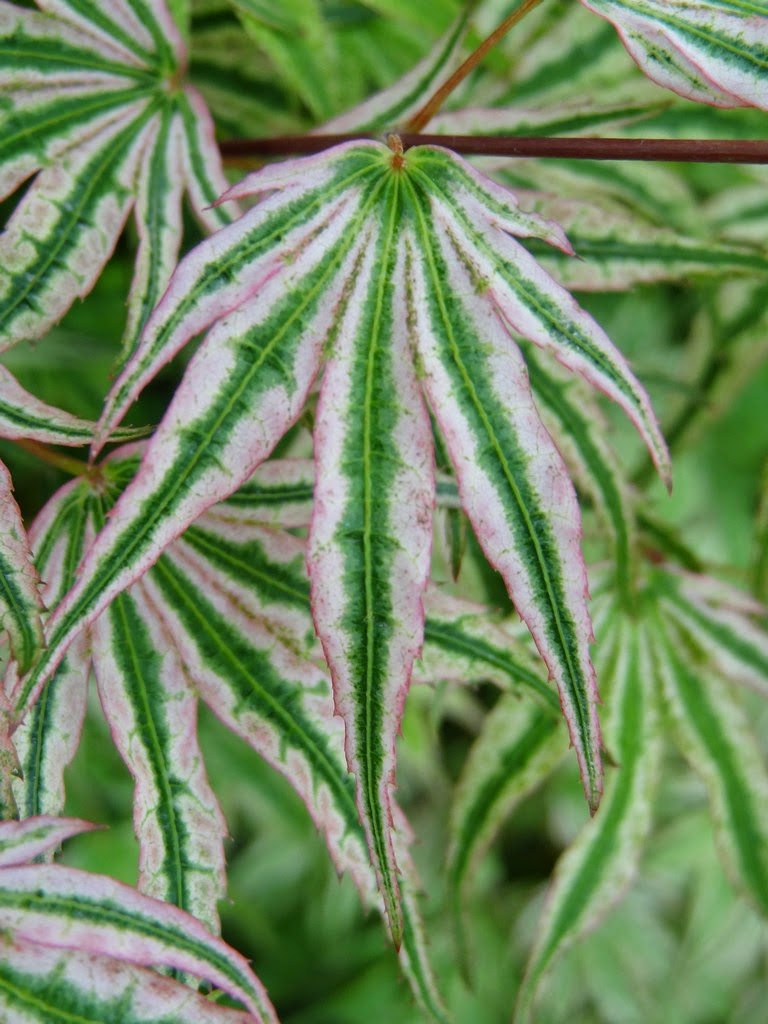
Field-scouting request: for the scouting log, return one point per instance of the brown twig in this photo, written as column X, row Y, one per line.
column 435, row 102
column 740, row 151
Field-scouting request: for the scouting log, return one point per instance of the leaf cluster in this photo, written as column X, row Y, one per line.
column 378, row 469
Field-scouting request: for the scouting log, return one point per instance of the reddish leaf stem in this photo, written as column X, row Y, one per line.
column 742, row 151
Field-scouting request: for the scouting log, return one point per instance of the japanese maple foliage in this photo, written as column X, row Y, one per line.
column 412, row 309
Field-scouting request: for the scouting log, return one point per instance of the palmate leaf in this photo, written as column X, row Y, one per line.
column 295, row 278
column 90, row 100
column 713, row 51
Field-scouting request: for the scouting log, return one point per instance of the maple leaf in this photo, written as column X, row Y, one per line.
column 401, row 269
column 93, row 105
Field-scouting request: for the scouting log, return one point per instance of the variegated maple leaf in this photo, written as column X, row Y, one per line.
column 93, row 104
column 398, row 274
column 78, row 944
